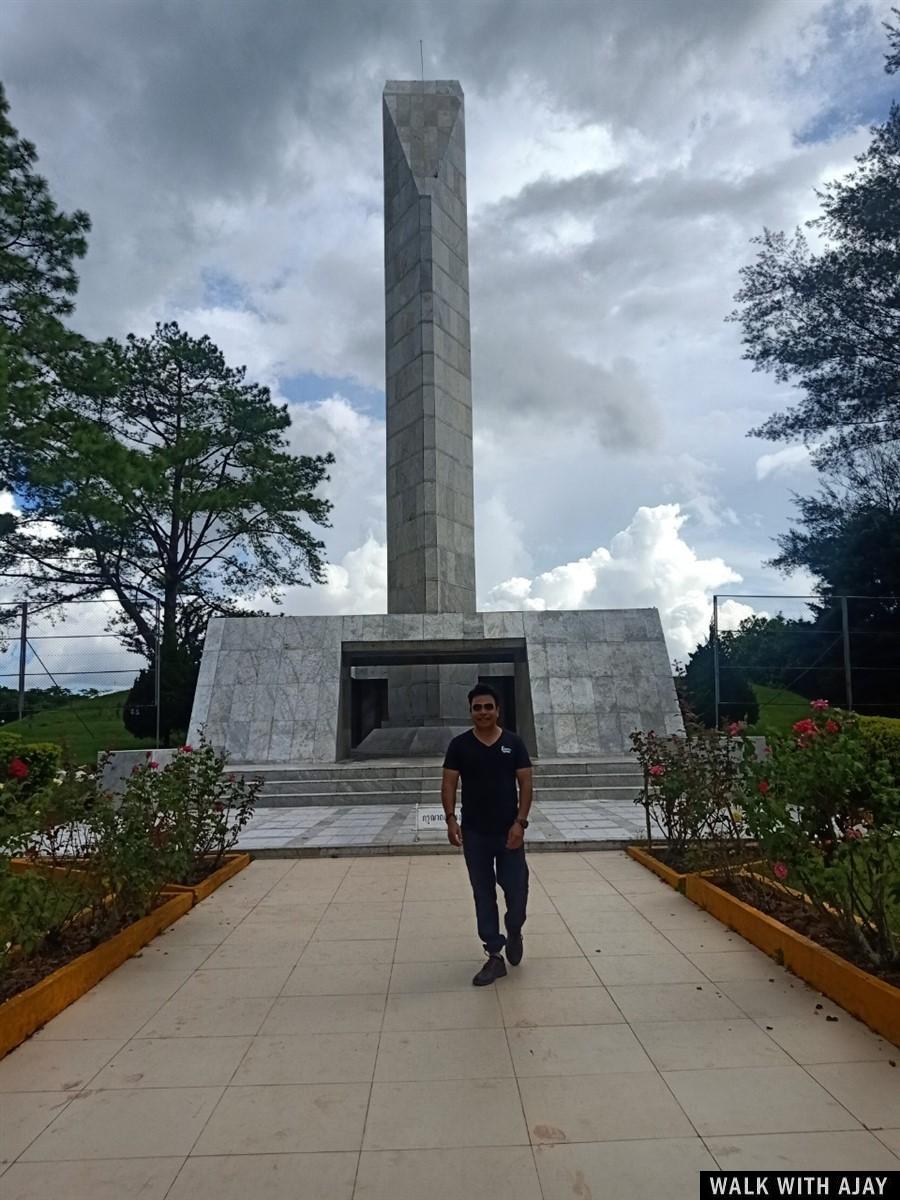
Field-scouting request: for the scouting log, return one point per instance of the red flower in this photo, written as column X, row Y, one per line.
column 779, row 870
column 819, row 705
column 17, row 769
column 763, row 786
column 187, row 749
column 657, row 769
column 153, row 765
column 807, row 727
column 853, row 835
column 734, row 728
column 831, row 726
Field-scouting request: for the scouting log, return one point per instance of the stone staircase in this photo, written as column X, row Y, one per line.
column 419, row 782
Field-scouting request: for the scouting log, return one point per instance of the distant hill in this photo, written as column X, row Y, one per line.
column 84, row 726
column 778, row 709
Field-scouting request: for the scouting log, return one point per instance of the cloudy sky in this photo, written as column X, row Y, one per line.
column 621, row 154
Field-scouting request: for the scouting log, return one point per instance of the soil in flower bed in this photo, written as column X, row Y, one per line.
column 693, row 860
column 791, row 911
column 55, row 953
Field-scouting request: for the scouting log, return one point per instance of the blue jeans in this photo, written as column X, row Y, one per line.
column 489, row 863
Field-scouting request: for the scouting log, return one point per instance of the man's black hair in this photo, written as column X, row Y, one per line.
column 483, row 689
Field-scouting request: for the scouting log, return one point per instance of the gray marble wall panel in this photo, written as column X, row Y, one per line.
column 594, row 676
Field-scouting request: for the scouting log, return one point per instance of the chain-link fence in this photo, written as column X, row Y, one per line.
column 64, row 676
column 792, row 649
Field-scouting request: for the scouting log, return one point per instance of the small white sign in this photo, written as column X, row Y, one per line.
column 430, row 816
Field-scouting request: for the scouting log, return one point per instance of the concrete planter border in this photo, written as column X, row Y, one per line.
column 21, row 1015
column 675, row 879
column 199, row 891
column 232, row 864
column 873, row 1001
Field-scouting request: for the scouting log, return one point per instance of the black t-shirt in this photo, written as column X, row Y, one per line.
column 490, row 799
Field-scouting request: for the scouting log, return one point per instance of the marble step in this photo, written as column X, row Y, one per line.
column 320, row 773
column 431, row 795
column 400, row 786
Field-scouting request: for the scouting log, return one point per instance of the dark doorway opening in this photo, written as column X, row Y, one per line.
column 505, row 687
column 369, row 707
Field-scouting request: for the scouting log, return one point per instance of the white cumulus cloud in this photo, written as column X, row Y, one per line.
column 647, row 565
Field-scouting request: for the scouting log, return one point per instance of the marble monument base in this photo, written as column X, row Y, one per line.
column 292, row 689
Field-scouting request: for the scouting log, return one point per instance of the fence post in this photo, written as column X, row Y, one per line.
column 156, row 676
column 23, row 646
column 715, row 642
column 848, row 670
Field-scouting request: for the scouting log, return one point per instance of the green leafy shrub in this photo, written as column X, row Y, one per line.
column 882, row 738
column 51, row 827
column 826, row 813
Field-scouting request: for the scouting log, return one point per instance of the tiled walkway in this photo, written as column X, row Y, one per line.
column 310, row 1033
column 392, row 827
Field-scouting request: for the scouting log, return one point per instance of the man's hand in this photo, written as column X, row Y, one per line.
column 454, row 833
column 515, row 839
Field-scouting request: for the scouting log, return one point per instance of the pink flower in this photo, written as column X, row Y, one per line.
column 853, row 835
column 779, row 870
column 831, row 726
column 734, row 728
column 819, row 705
column 153, row 765
column 656, row 770
column 187, row 749
column 763, row 786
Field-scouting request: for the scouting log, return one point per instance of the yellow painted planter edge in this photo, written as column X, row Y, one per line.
column 863, row 995
column 199, row 891
column 21, row 1015
column 675, row 879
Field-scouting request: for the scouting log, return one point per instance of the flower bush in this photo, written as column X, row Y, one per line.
column 31, row 763
column 200, row 807
column 826, row 814
column 102, row 862
column 691, row 787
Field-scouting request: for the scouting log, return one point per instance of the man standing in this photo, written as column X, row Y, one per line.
column 497, row 789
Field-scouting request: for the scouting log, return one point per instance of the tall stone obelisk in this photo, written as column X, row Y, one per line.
column 430, row 495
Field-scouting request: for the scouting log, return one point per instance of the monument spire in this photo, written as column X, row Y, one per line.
column 430, row 494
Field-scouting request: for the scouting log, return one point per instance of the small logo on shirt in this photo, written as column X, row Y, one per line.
column 506, row 749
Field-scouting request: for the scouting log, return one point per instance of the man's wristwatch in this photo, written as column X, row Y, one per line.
column 521, row 821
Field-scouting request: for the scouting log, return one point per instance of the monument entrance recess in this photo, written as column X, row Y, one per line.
column 320, row 689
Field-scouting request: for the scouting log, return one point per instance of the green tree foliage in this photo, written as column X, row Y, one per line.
column 39, row 246
column 848, row 535
column 828, row 321
column 737, row 701
column 180, row 482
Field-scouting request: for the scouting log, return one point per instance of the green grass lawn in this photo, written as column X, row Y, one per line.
column 778, row 709
column 84, row 727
